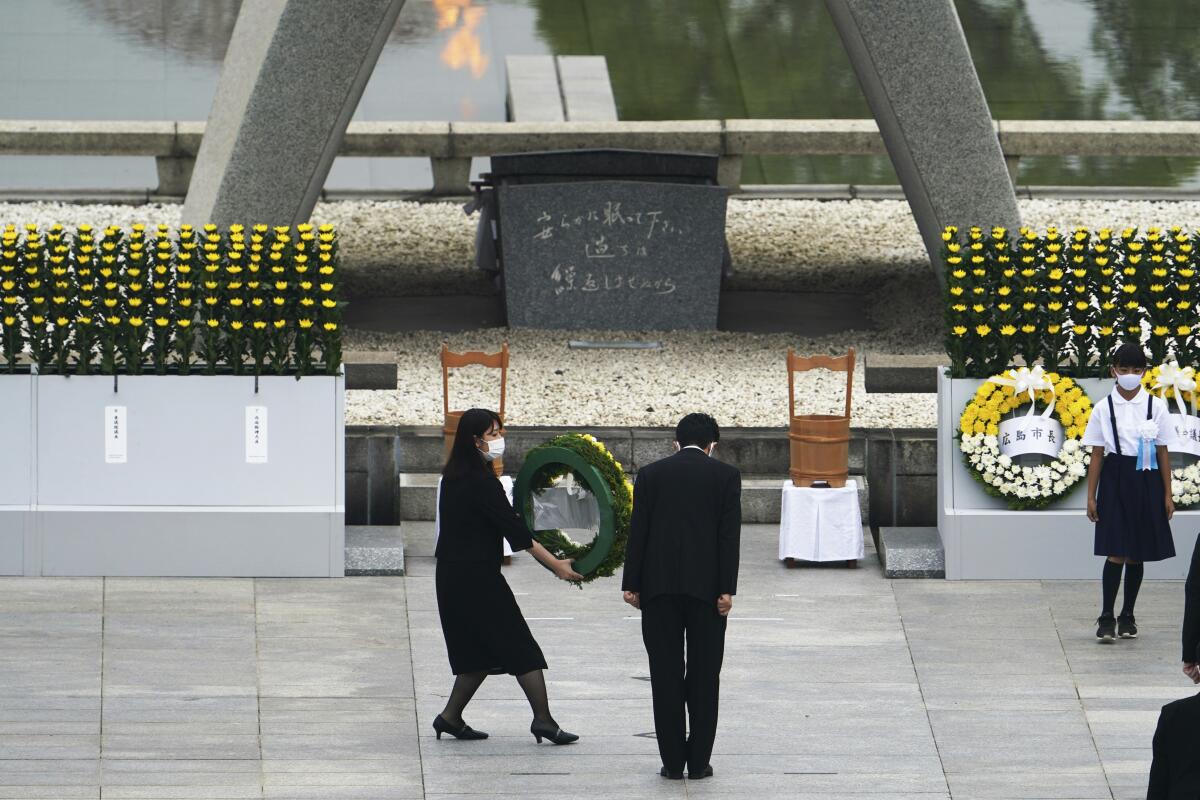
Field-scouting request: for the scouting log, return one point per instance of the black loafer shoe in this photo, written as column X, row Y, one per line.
column 672, row 776
column 707, row 772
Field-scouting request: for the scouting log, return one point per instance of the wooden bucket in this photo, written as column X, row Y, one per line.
column 819, row 443
column 449, row 429
column 820, row 449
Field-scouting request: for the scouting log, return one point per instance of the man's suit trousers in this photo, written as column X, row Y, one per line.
column 694, row 683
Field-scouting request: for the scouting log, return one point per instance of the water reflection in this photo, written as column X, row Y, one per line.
column 464, row 48
column 1037, row 59
column 668, row 59
column 196, row 30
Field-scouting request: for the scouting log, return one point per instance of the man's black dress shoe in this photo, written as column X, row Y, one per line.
column 704, row 773
column 674, row 776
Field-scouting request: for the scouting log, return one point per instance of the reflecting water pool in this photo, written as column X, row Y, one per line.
column 668, row 59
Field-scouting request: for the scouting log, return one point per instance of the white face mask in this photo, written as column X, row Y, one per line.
column 708, row 452
column 495, row 449
column 1129, row 382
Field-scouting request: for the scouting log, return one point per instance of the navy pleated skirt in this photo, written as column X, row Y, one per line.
column 1133, row 516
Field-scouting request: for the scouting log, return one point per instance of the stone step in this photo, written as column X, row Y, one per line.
column 890, row 372
column 912, row 553
column 755, row 451
column 761, row 497
column 374, row 550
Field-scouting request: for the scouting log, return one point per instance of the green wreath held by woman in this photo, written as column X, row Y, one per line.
column 593, row 466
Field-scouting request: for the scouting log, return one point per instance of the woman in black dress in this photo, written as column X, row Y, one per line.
column 484, row 630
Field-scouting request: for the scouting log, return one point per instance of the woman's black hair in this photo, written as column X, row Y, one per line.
column 465, row 458
column 1129, row 355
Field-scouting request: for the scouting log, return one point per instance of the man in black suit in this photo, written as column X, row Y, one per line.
column 1175, row 773
column 681, row 567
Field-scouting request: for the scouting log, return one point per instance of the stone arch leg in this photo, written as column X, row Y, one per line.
column 292, row 77
column 916, row 72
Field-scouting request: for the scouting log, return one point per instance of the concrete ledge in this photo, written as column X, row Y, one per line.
column 488, row 138
column 901, row 373
column 808, row 136
column 86, row 138
column 911, row 553
column 1099, row 138
column 374, row 550
column 367, row 370
column 397, row 139
column 735, row 137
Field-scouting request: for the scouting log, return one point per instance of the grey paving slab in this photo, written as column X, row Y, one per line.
column 327, row 688
column 52, row 792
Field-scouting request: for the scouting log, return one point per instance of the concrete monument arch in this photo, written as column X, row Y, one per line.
column 295, row 70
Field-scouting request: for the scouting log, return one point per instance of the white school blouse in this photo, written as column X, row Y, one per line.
column 1130, row 414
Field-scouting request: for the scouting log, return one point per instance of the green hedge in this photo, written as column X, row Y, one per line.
column 241, row 301
column 1067, row 300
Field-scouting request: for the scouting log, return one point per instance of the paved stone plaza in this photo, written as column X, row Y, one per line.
column 837, row 684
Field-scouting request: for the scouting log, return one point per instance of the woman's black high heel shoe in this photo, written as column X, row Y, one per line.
column 463, row 731
column 548, row 730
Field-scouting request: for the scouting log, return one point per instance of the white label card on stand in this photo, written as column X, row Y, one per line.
column 1030, row 434
column 116, row 449
column 256, row 434
column 1187, row 434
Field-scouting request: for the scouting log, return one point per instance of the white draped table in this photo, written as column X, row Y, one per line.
column 820, row 524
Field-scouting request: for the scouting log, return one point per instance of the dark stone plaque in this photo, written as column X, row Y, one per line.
column 612, row 255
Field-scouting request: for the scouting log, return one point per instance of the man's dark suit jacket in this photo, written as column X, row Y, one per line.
column 1175, row 773
column 687, row 519
column 1191, row 610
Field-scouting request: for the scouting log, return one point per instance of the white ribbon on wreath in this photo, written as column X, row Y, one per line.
column 1028, row 434
column 1177, row 380
column 1028, row 380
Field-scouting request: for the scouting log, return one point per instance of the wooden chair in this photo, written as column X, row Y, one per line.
column 820, row 443
column 452, row 360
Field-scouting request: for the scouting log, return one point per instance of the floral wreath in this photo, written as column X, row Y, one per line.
column 1173, row 383
column 1025, row 487
column 590, row 462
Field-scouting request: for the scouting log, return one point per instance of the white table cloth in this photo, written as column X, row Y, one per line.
column 820, row 524
column 505, row 481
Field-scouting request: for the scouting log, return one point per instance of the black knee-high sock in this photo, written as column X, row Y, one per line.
column 1111, row 581
column 1133, row 582
column 533, row 683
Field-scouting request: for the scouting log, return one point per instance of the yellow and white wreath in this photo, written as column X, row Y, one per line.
column 1177, row 386
column 1025, row 487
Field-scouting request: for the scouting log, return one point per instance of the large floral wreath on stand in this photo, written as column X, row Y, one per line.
column 1172, row 382
column 1025, row 487
column 592, row 466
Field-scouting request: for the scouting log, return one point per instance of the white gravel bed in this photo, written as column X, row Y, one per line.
column 739, row 378
column 867, row 247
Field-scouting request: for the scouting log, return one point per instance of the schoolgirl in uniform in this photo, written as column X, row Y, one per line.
column 1129, row 487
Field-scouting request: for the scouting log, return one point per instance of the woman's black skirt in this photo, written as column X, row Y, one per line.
column 482, row 622
column 1133, row 516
